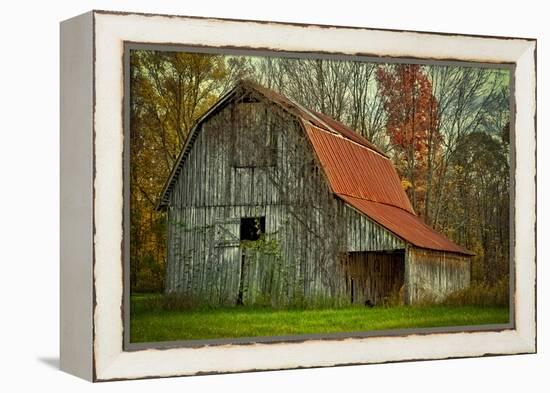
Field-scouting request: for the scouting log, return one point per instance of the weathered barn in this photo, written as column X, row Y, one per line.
column 272, row 203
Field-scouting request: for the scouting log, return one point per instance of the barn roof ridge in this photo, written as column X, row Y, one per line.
column 317, row 118
column 338, row 135
column 343, row 194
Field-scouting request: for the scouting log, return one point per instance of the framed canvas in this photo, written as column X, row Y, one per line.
column 247, row 195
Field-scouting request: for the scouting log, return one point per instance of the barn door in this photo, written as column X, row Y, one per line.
column 227, row 243
column 242, row 279
column 373, row 276
column 251, row 230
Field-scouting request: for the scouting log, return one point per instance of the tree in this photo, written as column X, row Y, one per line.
column 412, row 125
column 343, row 90
column 471, row 99
column 169, row 92
column 478, row 214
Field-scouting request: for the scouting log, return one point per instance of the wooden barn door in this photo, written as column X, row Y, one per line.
column 373, row 276
column 251, row 230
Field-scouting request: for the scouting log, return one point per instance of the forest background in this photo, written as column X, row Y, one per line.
column 446, row 128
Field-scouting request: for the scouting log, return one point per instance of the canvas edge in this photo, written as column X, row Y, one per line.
column 76, row 177
column 525, row 206
column 525, row 335
column 301, row 24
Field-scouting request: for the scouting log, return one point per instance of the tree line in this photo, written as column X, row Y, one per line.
column 445, row 127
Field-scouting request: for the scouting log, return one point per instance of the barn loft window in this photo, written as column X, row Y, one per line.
column 255, row 139
column 252, row 228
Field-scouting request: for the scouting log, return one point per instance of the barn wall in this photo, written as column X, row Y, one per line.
column 431, row 275
column 363, row 234
column 298, row 261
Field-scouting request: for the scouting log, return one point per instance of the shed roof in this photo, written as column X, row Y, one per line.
column 404, row 224
column 358, row 172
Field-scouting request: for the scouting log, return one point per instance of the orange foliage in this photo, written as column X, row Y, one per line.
column 412, row 122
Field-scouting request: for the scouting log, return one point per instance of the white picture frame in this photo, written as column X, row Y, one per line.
column 92, row 195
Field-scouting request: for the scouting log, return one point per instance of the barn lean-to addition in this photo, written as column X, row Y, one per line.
column 272, row 203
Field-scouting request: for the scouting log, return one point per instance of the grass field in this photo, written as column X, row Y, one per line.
column 149, row 324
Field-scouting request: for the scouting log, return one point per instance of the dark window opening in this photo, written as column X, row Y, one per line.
column 252, row 228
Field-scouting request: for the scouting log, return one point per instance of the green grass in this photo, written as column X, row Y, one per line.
column 152, row 324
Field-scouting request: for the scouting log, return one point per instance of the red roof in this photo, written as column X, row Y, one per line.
column 356, row 170
column 368, row 181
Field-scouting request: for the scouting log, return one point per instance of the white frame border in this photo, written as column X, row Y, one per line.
column 111, row 30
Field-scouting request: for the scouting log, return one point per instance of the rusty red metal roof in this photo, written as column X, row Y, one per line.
column 363, row 176
column 357, row 171
column 405, row 225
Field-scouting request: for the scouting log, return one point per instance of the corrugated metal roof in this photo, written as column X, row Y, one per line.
column 405, row 225
column 357, row 171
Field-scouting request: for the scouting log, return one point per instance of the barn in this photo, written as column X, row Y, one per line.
column 272, row 203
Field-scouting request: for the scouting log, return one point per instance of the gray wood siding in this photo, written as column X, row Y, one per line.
column 298, row 259
column 364, row 234
column 431, row 275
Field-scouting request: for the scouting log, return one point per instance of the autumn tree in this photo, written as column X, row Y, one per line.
column 478, row 214
column 169, row 92
column 473, row 202
column 412, row 125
